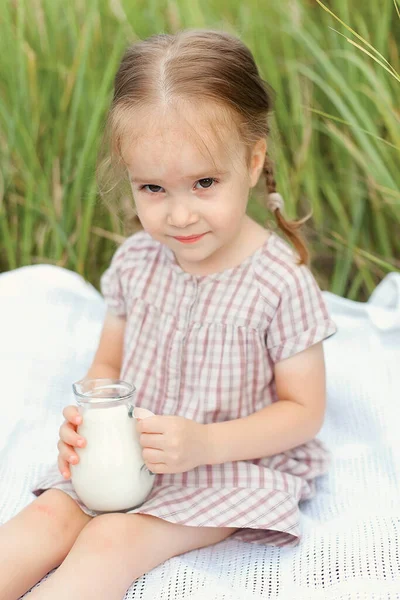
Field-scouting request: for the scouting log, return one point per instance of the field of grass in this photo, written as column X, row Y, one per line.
column 335, row 128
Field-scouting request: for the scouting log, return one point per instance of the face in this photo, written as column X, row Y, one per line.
column 191, row 200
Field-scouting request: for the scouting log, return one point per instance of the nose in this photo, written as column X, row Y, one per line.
column 180, row 214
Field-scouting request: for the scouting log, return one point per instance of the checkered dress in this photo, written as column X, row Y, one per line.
column 204, row 347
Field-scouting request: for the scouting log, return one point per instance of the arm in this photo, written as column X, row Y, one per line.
column 291, row 421
column 107, row 361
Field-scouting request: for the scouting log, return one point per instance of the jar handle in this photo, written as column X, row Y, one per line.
column 131, row 408
column 145, row 469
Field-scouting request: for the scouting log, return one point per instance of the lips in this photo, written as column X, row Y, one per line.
column 189, row 238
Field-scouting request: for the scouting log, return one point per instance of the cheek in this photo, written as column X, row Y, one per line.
column 148, row 214
column 230, row 212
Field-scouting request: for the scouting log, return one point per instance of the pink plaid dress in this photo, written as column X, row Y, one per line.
column 204, row 347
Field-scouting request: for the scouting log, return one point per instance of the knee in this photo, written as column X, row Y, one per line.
column 113, row 531
column 58, row 511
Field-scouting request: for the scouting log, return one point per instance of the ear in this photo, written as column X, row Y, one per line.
column 257, row 161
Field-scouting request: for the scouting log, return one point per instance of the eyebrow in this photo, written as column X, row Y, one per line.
column 204, row 175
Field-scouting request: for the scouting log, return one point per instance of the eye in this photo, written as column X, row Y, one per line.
column 153, row 189
column 206, row 183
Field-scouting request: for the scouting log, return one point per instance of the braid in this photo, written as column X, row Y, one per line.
column 289, row 228
column 269, row 175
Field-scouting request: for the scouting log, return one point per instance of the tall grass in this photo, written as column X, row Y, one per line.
column 335, row 128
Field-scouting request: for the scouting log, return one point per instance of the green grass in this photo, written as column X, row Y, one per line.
column 335, row 128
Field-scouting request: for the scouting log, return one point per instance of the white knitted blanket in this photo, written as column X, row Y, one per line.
column 50, row 322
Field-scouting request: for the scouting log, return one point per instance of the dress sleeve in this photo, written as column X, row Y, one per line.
column 111, row 284
column 301, row 318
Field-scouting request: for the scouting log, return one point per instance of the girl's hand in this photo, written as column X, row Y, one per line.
column 172, row 444
column 68, row 440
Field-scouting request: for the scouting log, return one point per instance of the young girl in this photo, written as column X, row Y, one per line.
column 218, row 323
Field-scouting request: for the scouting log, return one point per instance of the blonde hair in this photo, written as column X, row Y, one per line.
column 210, row 68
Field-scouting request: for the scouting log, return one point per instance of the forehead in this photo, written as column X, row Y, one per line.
column 172, row 144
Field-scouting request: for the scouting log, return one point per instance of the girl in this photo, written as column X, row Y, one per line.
column 218, row 323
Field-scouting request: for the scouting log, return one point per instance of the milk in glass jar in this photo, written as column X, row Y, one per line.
column 111, row 475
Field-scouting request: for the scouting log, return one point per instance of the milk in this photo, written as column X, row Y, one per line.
column 110, row 475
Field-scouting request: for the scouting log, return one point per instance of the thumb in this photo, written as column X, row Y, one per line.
column 142, row 413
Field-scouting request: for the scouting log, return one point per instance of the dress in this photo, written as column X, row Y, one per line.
column 204, row 347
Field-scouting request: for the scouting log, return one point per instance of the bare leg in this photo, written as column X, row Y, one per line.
column 115, row 549
column 37, row 540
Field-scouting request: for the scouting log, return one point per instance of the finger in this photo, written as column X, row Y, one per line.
column 63, row 467
column 157, row 468
column 67, row 453
column 69, row 435
column 152, row 440
column 142, row 413
column 72, row 414
column 151, row 425
column 153, row 456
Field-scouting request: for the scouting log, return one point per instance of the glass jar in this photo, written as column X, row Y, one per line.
column 111, row 475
